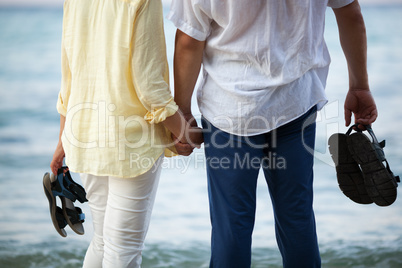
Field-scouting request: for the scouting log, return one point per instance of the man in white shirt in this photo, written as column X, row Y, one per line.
column 264, row 69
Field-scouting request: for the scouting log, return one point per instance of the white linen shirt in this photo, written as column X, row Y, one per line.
column 265, row 62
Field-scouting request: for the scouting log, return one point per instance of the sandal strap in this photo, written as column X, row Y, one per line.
column 75, row 215
column 354, row 127
column 371, row 132
column 75, row 188
column 61, row 221
column 396, row 178
column 378, row 146
column 65, row 186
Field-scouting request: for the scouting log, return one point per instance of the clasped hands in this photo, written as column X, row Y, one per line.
column 188, row 141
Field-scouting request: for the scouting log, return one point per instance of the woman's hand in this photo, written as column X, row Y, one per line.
column 58, row 156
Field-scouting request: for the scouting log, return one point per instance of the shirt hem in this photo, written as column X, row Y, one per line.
column 111, row 174
column 320, row 104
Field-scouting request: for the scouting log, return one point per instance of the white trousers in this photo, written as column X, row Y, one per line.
column 121, row 211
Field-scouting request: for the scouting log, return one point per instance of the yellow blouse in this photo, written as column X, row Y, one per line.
column 115, row 86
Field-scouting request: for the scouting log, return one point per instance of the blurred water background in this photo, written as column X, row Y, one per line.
column 350, row 235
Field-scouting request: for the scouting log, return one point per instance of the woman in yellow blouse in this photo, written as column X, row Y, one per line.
column 116, row 116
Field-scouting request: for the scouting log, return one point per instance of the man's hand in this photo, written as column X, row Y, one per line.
column 361, row 103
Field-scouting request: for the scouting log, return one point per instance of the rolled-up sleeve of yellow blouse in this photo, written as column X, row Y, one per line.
column 151, row 74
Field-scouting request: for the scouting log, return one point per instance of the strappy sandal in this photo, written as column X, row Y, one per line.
column 380, row 182
column 68, row 191
column 56, row 213
column 73, row 216
column 349, row 175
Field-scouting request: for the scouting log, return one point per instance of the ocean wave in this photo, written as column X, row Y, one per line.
column 196, row 255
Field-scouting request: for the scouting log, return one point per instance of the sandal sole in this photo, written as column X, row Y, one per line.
column 350, row 177
column 78, row 228
column 380, row 184
column 52, row 203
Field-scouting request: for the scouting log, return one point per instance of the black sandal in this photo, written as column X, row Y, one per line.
column 349, row 175
column 56, row 213
column 381, row 184
column 73, row 216
column 68, row 191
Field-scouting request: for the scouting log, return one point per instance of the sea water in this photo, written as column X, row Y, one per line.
column 350, row 235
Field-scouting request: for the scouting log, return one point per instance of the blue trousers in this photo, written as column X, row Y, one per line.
column 233, row 164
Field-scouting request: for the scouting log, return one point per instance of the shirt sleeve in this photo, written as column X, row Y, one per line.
column 150, row 71
column 65, row 88
column 193, row 17
column 339, row 3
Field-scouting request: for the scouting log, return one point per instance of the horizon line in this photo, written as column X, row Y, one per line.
column 59, row 3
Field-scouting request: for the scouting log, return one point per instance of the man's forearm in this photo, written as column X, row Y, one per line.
column 187, row 63
column 352, row 32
